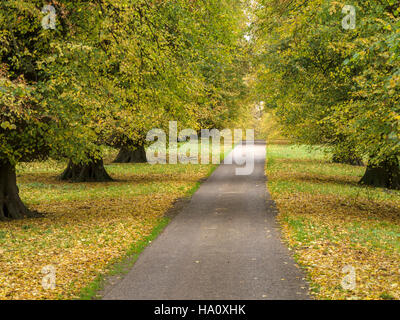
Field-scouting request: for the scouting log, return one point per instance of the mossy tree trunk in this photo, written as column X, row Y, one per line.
column 126, row 155
column 93, row 171
column 385, row 174
column 11, row 205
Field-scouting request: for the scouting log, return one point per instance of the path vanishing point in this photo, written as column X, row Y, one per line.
column 225, row 244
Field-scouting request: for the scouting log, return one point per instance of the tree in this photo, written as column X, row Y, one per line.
column 49, row 89
column 202, row 83
column 107, row 73
column 332, row 86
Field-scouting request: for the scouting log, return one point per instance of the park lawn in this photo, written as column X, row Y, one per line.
column 330, row 222
column 87, row 227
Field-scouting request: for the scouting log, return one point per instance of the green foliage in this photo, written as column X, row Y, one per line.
column 329, row 85
column 112, row 70
column 52, row 92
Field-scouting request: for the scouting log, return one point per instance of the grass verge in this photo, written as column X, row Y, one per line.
column 339, row 231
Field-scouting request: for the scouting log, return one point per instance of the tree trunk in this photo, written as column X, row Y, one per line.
column 93, row 171
column 11, row 206
column 128, row 156
column 350, row 159
column 385, row 174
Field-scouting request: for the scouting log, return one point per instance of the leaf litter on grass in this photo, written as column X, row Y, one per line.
column 332, row 223
column 85, row 226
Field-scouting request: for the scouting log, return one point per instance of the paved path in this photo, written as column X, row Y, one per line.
column 223, row 245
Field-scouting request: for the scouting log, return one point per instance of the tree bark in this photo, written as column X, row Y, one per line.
column 385, row 174
column 93, row 171
column 11, row 205
column 128, row 156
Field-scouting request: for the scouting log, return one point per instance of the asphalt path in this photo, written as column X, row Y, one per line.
column 225, row 244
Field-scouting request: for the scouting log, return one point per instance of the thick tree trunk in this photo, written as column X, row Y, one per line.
column 93, row 171
column 385, row 174
column 11, row 206
column 350, row 159
column 128, row 156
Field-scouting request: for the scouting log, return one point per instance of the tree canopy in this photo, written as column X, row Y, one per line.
column 109, row 71
column 331, row 85
column 104, row 73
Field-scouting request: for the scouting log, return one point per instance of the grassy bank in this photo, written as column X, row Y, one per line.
column 330, row 222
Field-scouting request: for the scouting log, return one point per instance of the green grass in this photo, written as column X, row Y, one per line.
column 298, row 152
column 38, row 181
column 310, row 171
column 131, row 180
